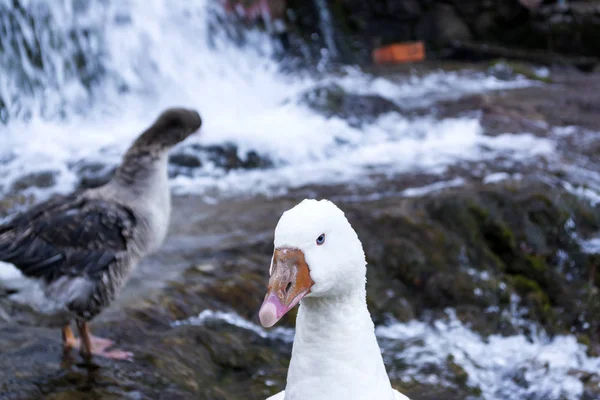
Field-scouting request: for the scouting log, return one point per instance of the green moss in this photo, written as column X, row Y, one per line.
column 461, row 376
column 521, row 69
column 501, row 237
column 536, row 265
column 524, row 286
column 584, row 339
column 479, row 212
column 15, row 201
column 498, row 235
column 504, row 296
column 340, row 16
column 536, row 299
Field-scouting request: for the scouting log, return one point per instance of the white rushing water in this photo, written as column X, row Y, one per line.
column 156, row 54
column 513, row 367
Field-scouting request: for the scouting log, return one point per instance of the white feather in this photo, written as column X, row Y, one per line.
column 8, row 272
column 278, row 396
column 335, row 355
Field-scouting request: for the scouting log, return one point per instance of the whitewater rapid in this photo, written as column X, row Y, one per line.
column 156, row 55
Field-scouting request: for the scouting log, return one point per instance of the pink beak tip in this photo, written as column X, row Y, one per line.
column 268, row 314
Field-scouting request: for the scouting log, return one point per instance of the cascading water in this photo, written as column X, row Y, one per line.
column 51, row 57
column 326, row 25
column 81, row 78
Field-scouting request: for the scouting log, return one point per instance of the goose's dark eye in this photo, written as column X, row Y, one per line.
column 321, row 239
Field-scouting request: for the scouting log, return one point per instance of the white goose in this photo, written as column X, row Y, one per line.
column 319, row 259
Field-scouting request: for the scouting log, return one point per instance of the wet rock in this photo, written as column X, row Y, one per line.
column 442, row 26
column 569, row 30
column 490, row 242
column 402, row 9
column 44, row 179
column 185, row 160
column 358, row 109
column 183, row 164
column 228, row 157
column 13, row 202
column 483, row 238
column 506, row 70
column 93, row 174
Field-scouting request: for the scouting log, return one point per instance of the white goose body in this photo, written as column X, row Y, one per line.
column 335, row 354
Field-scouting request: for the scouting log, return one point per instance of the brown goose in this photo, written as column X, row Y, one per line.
column 75, row 252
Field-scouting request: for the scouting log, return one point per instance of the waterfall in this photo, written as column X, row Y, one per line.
column 80, row 79
column 326, row 26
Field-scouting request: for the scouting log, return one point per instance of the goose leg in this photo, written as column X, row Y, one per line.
column 90, row 345
column 69, row 340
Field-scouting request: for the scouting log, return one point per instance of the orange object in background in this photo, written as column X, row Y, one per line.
column 399, row 53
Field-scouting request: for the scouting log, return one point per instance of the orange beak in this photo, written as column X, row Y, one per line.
column 289, row 283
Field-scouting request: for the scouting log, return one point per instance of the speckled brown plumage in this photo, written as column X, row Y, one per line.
column 76, row 252
column 72, row 237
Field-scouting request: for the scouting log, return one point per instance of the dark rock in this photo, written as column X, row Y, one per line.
column 404, row 9
column 469, row 9
column 444, row 26
column 484, row 23
column 485, row 51
column 183, row 164
column 425, row 254
column 254, row 160
column 361, row 26
column 506, row 70
column 358, row 109
column 185, row 160
column 13, row 202
column 93, row 174
column 509, row 238
column 227, row 157
column 44, row 179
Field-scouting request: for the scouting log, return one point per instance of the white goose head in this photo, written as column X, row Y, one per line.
column 317, row 254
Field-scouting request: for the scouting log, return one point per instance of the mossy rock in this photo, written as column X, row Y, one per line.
column 333, row 100
column 457, row 249
column 512, row 68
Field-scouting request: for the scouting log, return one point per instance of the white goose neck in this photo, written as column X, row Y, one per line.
column 335, row 353
column 335, row 309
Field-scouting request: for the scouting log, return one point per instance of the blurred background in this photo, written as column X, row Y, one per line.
column 460, row 137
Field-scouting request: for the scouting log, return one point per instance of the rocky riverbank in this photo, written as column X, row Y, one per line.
column 484, row 250
column 500, row 246
column 457, row 29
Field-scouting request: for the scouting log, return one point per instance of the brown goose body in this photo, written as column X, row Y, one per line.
column 75, row 252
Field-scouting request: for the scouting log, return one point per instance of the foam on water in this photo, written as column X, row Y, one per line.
column 423, row 90
column 393, row 144
column 591, row 246
column 513, row 367
column 434, row 187
column 159, row 54
column 503, row 367
column 285, row 334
